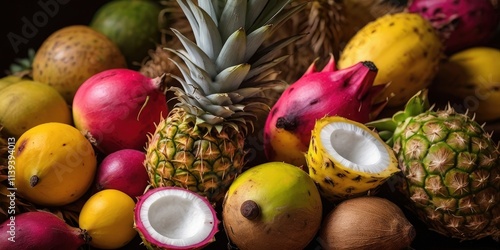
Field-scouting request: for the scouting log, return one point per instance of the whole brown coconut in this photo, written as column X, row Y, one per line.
column 71, row 55
column 366, row 223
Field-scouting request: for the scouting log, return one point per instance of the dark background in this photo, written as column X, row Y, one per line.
column 80, row 12
column 69, row 12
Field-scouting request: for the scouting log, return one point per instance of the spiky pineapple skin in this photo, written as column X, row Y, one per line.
column 452, row 173
column 334, row 181
column 185, row 155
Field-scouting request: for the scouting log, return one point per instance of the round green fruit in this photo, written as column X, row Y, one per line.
column 274, row 205
column 131, row 24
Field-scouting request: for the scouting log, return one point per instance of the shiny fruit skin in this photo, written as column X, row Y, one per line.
column 108, row 217
column 54, row 163
column 27, row 103
column 132, row 25
column 71, row 55
column 406, row 49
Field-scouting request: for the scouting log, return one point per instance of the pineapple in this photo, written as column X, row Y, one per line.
column 201, row 144
column 451, row 168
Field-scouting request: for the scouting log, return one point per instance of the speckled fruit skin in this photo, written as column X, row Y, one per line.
column 406, row 49
column 55, row 164
column 71, row 55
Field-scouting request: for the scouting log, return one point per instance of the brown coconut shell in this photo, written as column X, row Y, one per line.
column 366, row 223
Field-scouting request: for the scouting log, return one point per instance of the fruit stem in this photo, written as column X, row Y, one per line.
column 250, row 210
column 34, row 180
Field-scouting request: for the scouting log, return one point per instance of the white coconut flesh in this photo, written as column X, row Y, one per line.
column 354, row 147
column 177, row 218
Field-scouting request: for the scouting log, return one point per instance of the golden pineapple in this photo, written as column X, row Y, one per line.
column 201, row 144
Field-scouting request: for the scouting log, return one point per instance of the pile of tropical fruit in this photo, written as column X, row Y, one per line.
column 256, row 124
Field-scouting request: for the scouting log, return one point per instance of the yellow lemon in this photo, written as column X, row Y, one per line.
column 54, row 164
column 108, row 217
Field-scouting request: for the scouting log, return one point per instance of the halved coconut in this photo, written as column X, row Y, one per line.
column 175, row 218
column 346, row 158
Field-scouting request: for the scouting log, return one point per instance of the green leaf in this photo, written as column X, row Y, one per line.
column 196, row 55
column 386, row 135
column 209, row 39
column 399, row 117
column 208, row 6
column 255, row 40
column 255, row 71
column 197, row 76
column 233, row 51
column 230, row 79
column 269, row 12
column 418, row 104
column 269, row 52
column 222, row 99
column 254, row 8
column 385, row 124
column 232, row 18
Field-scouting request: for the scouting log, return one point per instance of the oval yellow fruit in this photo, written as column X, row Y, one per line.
column 405, row 48
column 473, row 77
column 54, row 164
column 71, row 55
column 27, row 103
column 9, row 80
column 108, row 217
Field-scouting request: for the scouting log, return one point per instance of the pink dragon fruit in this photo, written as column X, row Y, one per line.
column 348, row 93
column 40, row 230
column 461, row 23
column 118, row 108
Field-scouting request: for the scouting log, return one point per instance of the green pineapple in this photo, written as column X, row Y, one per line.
column 451, row 168
column 201, row 144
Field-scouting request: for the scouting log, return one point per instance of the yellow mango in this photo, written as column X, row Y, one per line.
column 472, row 76
column 54, row 164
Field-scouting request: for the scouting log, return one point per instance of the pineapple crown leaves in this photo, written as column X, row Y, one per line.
column 227, row 68
column 388, row 127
